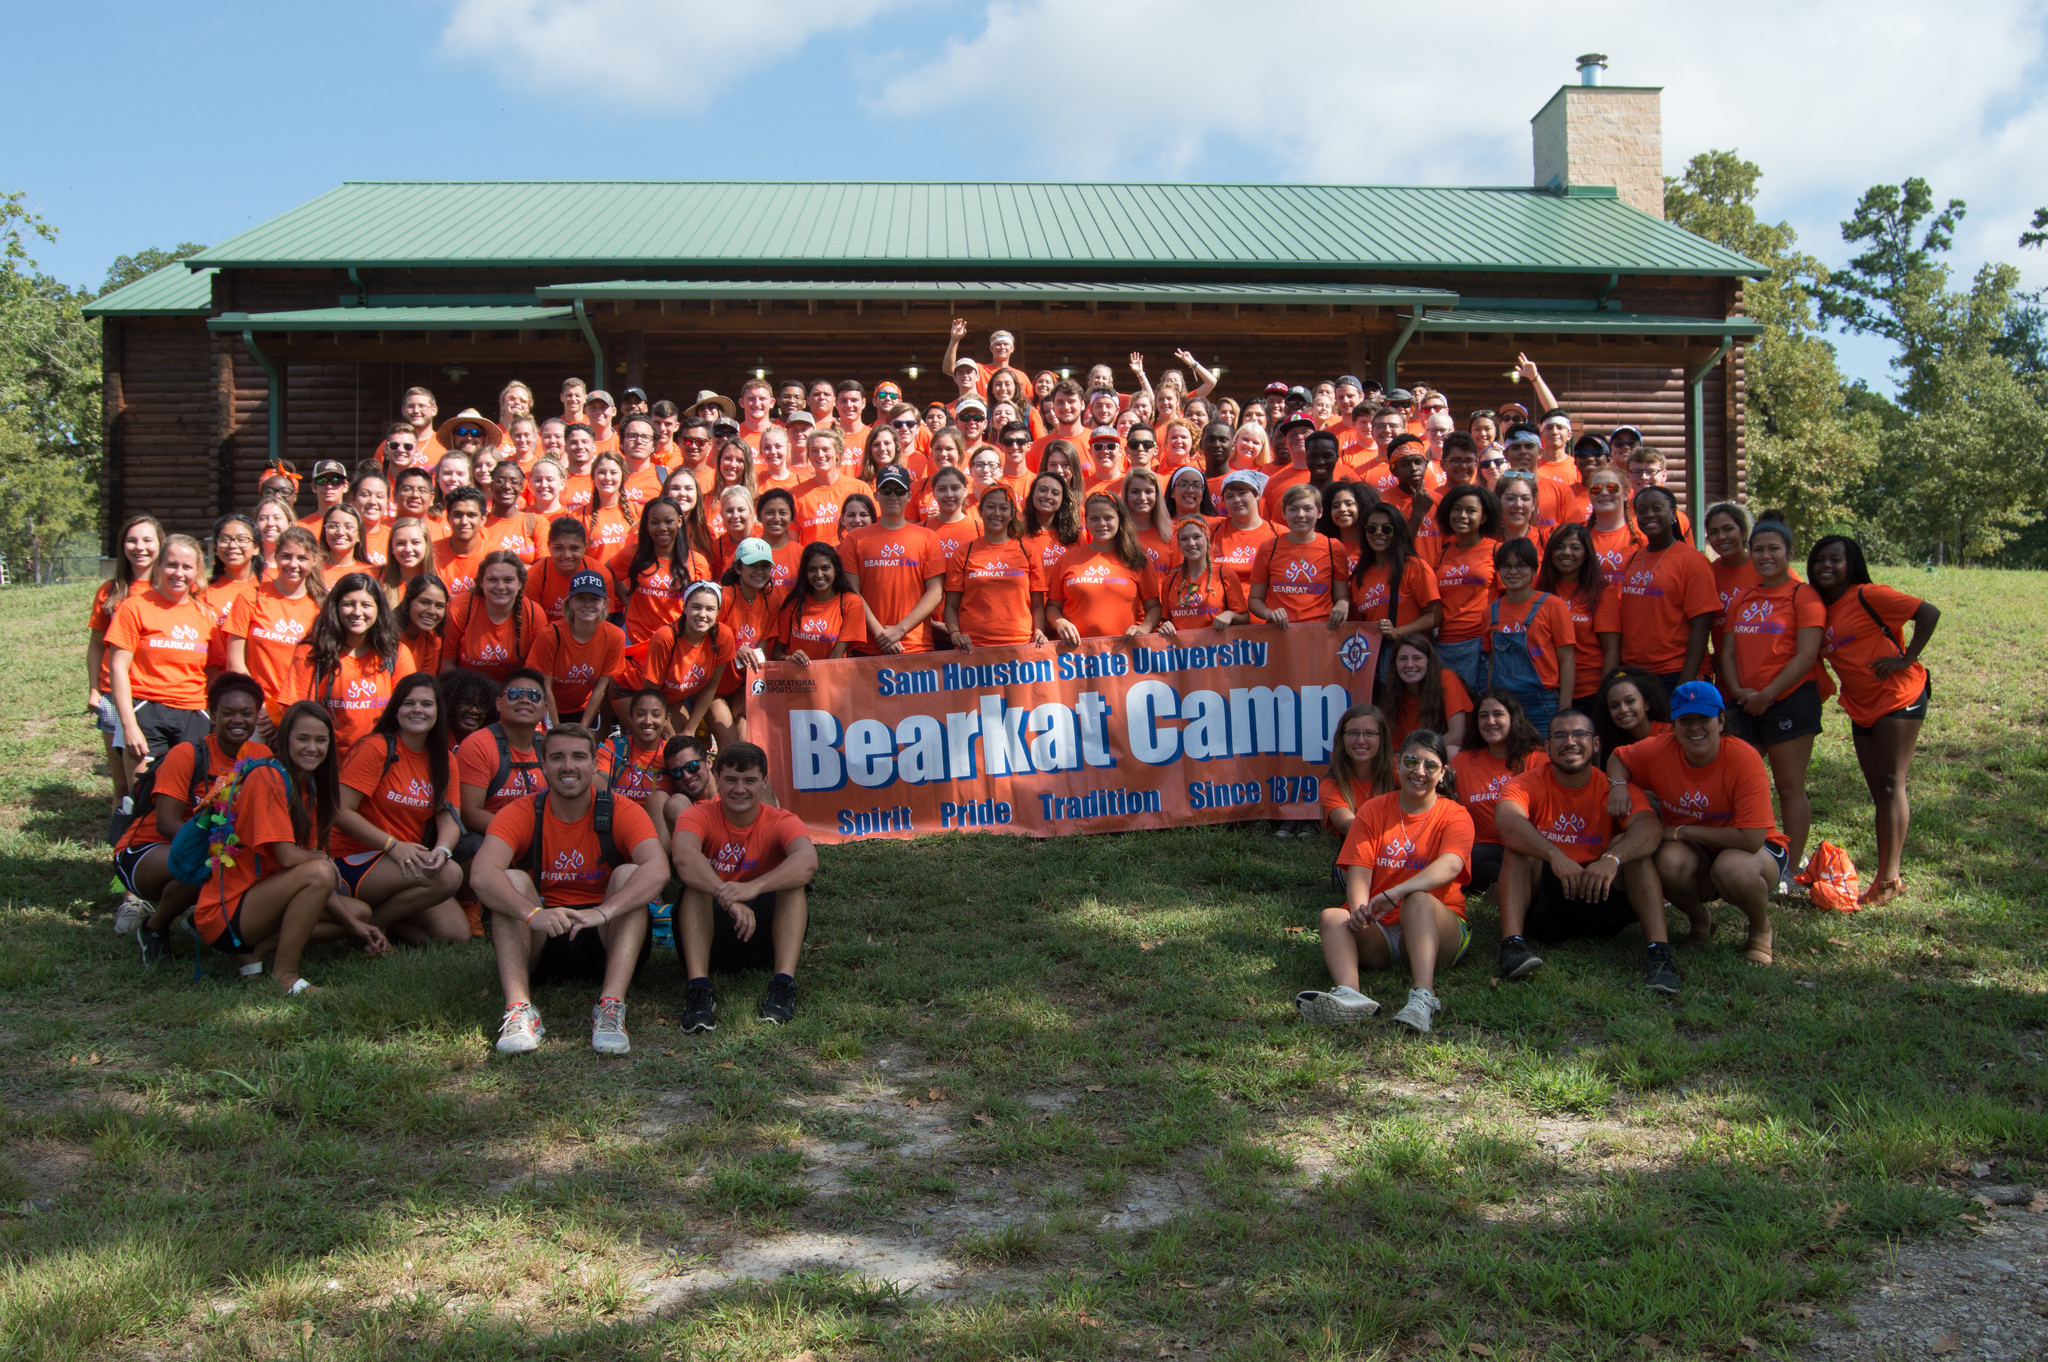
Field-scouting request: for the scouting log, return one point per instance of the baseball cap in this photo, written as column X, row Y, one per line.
column 1522, row 433
column 329, row 468
column 1300, row 418
column 1616, row 433
column 800, row 417
column 1297, row 393
column 970, row 404
column 753, row 551
column 587, row 584
column 1104, row 433
column 1352, row 379
column 966, row 362
column 894, row 478
column 1520, row 412
column 1695, row 697
column 1400, row 397
column 725, row 425
column 1243, row 477
column 599, row 396
column 632, row 395
column 1277, row 388
column 1590, row 441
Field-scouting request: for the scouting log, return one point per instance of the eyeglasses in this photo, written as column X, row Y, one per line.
column 1421, row 765
column 229, row 541
column 634, row 434
column 1571, row 735
column 526, row 693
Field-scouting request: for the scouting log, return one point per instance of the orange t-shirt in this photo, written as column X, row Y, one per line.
column 476, row 765
column 1481, row 778
column 1576, row 820
column 475, row 643
column 682, row 668
column 653, row 600
column 546, row 586
column 272, row 628
column 1765, row 624
column 605, row 530
column 219, row 599
column 262, row 818
column 893, row 567
column 1465, row 583
column 1587, row 626
column 817, row 508
column 752, row 622
column 1661, row 594
column 1276, row 487
column 1098, row 592
column 168, row 643
column 995, row 582
column 1564, row 471
column 1408, row 716
column 1731, row 791
column 1238, row 548
column 1398, row 845
column 522, row 532
column 1613, row 547
column 400, row 801
column 645, row 485
column 816, row 627
column 573, row 668
column 1299, row 577
column 355, row 696
column 1853, row 641
column 1045, row 548
column 743, row 851
column 1550, row 629
column 100, row 618
column 1418, row 593
column 174, row 780
column 572, row 869
column 1194, row 603
column 457, row 571
column 633, row 772
column 955, row 535
column 1157, row 551
column 576, row 494
column 1731, row 580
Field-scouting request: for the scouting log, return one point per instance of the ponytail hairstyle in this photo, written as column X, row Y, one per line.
column 318, row 785
column 1124, row 544
column 1430, row 741
column 438, row 741
column 220, row 569
column 1344, row 773
column 1428, row 693
column 329, row 632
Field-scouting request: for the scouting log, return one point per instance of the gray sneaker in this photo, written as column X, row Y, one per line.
column 608, row 1027
column 520, row 1032
column 1420, row 1011
column 132, row 913
column 1341, row 1006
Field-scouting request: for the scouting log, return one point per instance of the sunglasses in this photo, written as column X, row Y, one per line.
column 1140, row 448
column 1423, row 765
column 905, row 423
column 397, row 448
column 469, row 432
column 688, row 768
column 1483, row 414
column 1018, row 441
column 1493, row 463
column 971, row 416
column 331, row 480
column 526, row 693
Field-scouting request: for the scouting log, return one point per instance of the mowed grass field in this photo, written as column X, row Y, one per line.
column 1042, row 1100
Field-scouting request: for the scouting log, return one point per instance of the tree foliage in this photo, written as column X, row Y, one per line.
column 1806, row 447
column 126, row 269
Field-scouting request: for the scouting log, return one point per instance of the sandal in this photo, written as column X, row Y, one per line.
column 1881, row 891
column 1755, row 954
column 300, row 986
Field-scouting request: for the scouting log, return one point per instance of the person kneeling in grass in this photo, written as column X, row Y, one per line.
column 576, row 906
column 1404, row 860
column 748, row 860
column 1570, row 868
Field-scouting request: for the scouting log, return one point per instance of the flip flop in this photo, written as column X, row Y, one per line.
column 300, row 986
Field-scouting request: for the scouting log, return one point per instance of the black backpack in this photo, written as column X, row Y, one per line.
column 506, row 766
column 142, row 798
column 600, row 822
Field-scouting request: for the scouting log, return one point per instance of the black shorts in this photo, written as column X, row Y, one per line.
column 1485, row 867
column 1790, row 716
column 466, row 848
column 578, row 958
column 729, row 954
column 164, row 727
column 1553, row 917
column 1916, row 710
column 129, row 859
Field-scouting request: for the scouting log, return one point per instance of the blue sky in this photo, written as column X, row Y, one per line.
column 156, row 123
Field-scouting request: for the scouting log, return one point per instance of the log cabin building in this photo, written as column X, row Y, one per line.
column 298, row 337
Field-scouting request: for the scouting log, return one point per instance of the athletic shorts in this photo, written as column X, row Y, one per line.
column 1392, row 932
column 128, row 860
column 351, row 869
column 1916, row 710
column 578, row 958
column 729, row 954
column 1486, row 858
column 1553, row 917
column 1781, row 855
column 1790, row 716
column 107, row 722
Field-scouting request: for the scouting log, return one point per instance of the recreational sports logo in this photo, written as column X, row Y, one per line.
column 784, row 686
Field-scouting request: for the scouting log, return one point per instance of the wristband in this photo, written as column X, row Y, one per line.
column 531, row 911
column 390, row 842
column 1607, row 856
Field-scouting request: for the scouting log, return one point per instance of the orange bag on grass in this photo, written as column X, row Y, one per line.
column 1830, row 879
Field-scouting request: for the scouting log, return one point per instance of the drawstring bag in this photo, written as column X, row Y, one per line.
column 1830, row 879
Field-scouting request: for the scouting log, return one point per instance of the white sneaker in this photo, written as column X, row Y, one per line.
column 608, row 1027
column 520, row 1032
column 132, row 913
column 1341, row 1006
column 1420, row 1010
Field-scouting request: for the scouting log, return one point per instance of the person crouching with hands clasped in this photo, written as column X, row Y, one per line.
column 587, row 866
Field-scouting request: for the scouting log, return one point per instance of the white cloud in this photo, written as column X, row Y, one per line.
column 647, row 54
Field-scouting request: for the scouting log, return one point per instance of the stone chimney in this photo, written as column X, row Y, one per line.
column 1592, row 134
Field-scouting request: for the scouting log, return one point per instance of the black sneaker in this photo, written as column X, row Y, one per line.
column 700, row 1009
column 156, row 946
column 778, row 1004
column 1661, row 976
column 1517, row 961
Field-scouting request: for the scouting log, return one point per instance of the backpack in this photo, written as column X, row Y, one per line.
column 207, row 841
column 600, row 822
column 506, row 766
column 142, row 801
column 1830, row 878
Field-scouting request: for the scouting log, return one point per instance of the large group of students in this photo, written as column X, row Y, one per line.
column 486, row 678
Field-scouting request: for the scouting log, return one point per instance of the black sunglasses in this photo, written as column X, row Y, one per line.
column 331, row 480
column 688, row 768
column 1149, row 444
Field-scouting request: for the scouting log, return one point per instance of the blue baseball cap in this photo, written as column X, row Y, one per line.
column 1695, row 697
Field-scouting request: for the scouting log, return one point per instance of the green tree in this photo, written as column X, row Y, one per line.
column 44, row 505
column 1807, row 451
column 126, row 269
column 1893, row 289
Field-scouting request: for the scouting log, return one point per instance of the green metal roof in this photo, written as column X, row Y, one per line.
column 400, row 319
column 682, row 225
column 1006, row 290
column 1587, row 323
column 172, row 291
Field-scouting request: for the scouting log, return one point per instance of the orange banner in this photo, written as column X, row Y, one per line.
column 1111, row 735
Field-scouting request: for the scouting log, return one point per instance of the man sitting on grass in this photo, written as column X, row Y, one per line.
column 748, row 860
column 1570, row 868
column 576, row 908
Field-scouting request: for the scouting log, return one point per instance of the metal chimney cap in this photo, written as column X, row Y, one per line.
column 1590, row 65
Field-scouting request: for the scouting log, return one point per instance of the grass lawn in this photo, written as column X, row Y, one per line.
column 1041, row 1100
